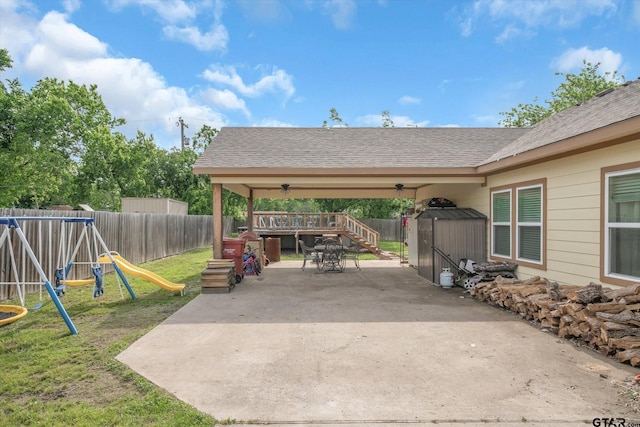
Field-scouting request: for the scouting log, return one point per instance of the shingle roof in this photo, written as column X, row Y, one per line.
column 610, row 107
column 336, row 148
column 354, row 147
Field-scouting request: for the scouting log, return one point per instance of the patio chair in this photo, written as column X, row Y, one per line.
column 310, row 254
column 353, row 253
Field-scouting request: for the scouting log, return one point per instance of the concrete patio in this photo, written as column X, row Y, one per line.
column 378, row 346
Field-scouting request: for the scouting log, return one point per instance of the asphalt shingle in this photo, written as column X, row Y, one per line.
column 353, row 148
column 613, row 107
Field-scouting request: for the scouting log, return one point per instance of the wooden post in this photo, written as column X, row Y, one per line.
column 218, row 226
column 250, row 211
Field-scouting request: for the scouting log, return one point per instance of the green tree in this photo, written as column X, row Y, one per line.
column 335, row 118
column 43, row 134
column 575, row 89
column 112, row 168
column 386, row 120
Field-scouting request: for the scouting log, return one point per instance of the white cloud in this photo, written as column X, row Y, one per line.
column 130, row 87
column 71, row 6
column 572, row 59
column 179, row 18
column 265, row 10
column 277, row 81
column 522, row 17
column 168, row 10
column 509, row 32
column 341, row 11
column 466, row 27
column 407, row 100
column 216, row 39
column 273, row 123
column 225, row 99
column 16, row 29
column 375, row 120
column 58, row 38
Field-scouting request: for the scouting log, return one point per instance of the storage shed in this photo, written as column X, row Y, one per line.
column 457, row 232
column 154, row 205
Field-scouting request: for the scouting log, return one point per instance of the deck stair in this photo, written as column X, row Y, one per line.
column 283, row 223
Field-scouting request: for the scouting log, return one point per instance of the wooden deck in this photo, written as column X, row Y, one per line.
column 287, row 223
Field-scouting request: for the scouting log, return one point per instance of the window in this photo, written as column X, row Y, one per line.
column 622, row 224
column 501, row 223
column 517, row 223
column 529, row 223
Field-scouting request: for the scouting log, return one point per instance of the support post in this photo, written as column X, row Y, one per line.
column 218, row 225
column 250, row 211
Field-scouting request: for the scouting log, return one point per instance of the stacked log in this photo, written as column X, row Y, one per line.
column 488, row 271
column 606, row 320
column 220, row 274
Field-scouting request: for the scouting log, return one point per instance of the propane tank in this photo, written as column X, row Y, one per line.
column 446, row 278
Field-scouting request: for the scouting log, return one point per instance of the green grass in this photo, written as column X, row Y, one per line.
column 391, row 246
column 50, row 377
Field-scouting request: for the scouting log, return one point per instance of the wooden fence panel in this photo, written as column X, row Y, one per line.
column 138, row 237
column 389, row 229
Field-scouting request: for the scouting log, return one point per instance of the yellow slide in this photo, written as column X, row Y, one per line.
column 150, row 276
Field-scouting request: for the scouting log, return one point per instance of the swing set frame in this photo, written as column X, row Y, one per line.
column 12, row 223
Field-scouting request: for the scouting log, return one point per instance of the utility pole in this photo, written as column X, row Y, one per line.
column 183, row 141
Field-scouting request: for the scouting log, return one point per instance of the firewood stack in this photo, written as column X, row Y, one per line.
column 604, row 319
column 219, row 274
column 488, row 271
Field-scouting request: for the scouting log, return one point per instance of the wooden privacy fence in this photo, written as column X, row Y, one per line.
column 389, row 229
column 137, row 237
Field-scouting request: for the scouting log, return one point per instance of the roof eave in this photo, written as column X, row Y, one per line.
column 616, row 133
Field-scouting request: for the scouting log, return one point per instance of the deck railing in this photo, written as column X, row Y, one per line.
column 320, row 223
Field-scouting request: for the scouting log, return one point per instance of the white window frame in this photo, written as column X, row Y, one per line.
column 608, row 226
column 508, row 224
column 519, row 224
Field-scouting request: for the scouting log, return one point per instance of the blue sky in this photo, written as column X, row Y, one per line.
column 287, row 62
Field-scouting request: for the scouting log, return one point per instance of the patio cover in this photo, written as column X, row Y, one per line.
column 348, row 162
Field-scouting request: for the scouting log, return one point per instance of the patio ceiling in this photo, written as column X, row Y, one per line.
column 337, row 184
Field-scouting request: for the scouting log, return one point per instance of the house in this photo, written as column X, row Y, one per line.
column 562, row 197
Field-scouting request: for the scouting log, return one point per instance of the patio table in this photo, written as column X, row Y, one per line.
column 331, row 256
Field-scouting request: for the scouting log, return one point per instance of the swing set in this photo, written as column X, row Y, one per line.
column 13, row 236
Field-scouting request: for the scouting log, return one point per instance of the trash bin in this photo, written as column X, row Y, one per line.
column 272, row 249
column 233, row 249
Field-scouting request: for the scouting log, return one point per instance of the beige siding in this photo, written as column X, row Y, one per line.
column 572, row 211
column 463, row 195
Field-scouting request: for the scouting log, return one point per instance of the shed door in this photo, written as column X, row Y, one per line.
column 425, row 252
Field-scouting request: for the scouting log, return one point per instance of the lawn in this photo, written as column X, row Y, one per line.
column 50, row 377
